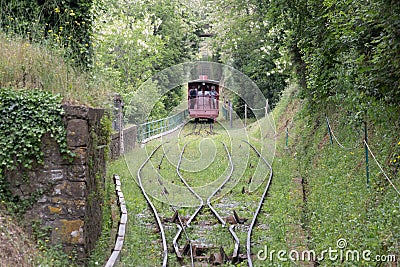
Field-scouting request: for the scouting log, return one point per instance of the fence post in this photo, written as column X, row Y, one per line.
column 329, row 129
column 121, row 133
column 266, row 107
column 366, row 152
column 287, row 136
column 245, row 115
column 230, row 113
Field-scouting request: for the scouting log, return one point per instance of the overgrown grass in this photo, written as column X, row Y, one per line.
column 18, row 248
column 339, row 204
column 32, row 66
column 110, row 223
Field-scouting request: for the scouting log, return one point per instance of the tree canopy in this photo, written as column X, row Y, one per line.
column 337, row 50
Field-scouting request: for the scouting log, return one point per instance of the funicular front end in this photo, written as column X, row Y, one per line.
column 203, row 98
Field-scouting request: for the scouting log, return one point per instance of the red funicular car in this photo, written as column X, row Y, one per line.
column 203, row 96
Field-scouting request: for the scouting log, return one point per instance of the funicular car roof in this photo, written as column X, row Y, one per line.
column 206, row 81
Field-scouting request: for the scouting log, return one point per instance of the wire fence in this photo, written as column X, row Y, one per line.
column 380, row 167
column 364, row 143
column 158, row 127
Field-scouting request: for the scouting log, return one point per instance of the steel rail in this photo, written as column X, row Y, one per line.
column 215, row 213
column 235, row 253
column 164, row 192
column 253, row 222
column 199, row 208
column 157, row 217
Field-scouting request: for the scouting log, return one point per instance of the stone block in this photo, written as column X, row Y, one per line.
column 77, row 112
column 123, row 209
column 124, row 218
column 119, row 243
column 74, row 208
column 77, row 133
column 76, row 172
column 95, row 115
column 76, row 190
column 68, row 231
column 80, row 156
column 121, row 230
column 114, row 258
column 57, row 175
column 54, row 210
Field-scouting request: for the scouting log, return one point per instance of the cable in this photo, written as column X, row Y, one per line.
column 380, row 167
column 254, row 109
column 336, row 140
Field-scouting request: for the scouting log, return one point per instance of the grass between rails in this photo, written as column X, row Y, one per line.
column 151, row 255
column 142, row 238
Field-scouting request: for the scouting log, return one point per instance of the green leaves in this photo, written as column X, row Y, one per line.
column 348, row 47
column 135, row 40
column 60, row 24
column 246, row 38
column 26, row 116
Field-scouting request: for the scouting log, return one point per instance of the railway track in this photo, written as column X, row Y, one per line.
column 197, row 250
column 153, row 208
column 217, row 258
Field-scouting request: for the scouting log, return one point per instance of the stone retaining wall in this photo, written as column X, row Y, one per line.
column 67, row 195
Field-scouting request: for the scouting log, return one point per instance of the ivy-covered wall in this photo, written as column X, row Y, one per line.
column 65, row 193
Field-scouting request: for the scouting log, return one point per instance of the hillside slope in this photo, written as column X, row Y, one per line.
column 16, row 248
column 358, row 218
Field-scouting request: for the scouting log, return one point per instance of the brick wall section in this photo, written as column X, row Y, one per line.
column 67, row 195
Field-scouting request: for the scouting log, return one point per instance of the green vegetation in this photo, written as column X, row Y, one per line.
column 337, row 203
column 27, row 65
column 111, row 218
column 135, row 40
column 344, row 56
column 318, row 196
column 141, row 239
column 50, row 255
column 28, row 116
column 340, row 52
column 65, row 25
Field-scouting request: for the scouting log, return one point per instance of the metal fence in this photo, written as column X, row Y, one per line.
column 157, row 127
